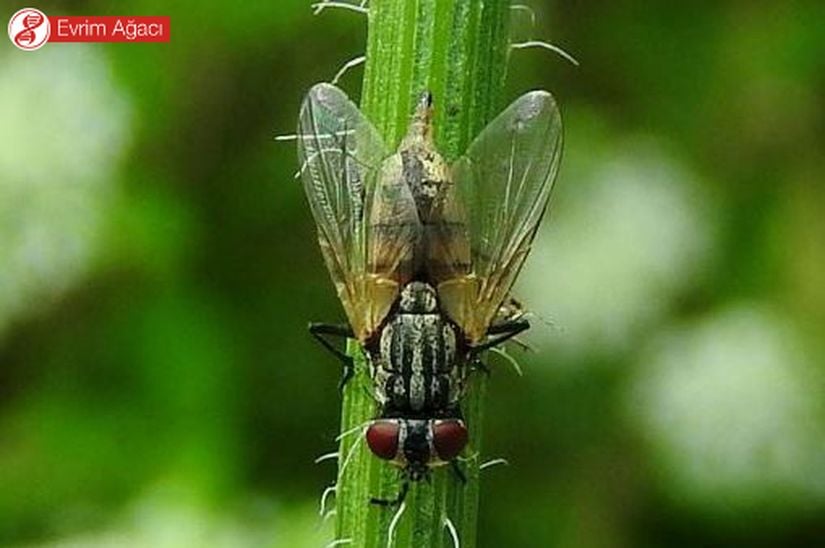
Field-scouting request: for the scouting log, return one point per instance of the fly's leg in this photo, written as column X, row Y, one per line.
column 502, row 333
column 323, row 330
column 459, row 473
column 402, row 494
column 511, row 328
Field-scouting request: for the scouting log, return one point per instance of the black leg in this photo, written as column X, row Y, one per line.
column 506, row 331
column 518, row 325
column 459, row 473
column 402, row 494
column 322, row 330
column 346, row 375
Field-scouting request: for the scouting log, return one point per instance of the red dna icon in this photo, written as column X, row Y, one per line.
column 31, row 21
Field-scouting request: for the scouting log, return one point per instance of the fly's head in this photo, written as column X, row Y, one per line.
column 417, row 445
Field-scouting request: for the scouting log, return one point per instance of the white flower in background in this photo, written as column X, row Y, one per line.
column 628, row 231
column 63, row 130
column 733, row 408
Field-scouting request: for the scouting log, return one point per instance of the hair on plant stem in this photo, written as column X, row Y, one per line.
column 321, row 6
column 509, row 359
column 352, row 63
column 526, row 9
column 494, row 462
column 545, row 45
column 450, row 526
column 394, row 523
column 324, row 496
column 327, row 456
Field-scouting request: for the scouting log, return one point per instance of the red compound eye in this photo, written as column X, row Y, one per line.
column 449, row 438
column 382, row 437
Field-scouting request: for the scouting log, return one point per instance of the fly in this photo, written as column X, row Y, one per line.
column 423, row 255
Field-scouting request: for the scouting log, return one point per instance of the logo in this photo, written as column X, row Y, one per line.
column 29, row 29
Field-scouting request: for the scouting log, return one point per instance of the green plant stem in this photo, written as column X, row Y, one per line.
column 458, row 50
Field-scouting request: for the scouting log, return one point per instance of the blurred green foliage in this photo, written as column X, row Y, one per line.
column 158, row 267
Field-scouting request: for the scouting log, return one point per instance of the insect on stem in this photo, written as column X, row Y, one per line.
column 407, row 250
column 418, row 424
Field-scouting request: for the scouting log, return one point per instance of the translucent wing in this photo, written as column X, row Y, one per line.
column 341, row 156
column 492, row 212
column 393, row 232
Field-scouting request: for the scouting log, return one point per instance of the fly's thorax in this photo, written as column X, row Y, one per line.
column 418, row 366
column 418, row 334
column 417, row 444
column 418, row 298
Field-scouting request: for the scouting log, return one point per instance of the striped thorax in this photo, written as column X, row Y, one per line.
column 417, row 370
